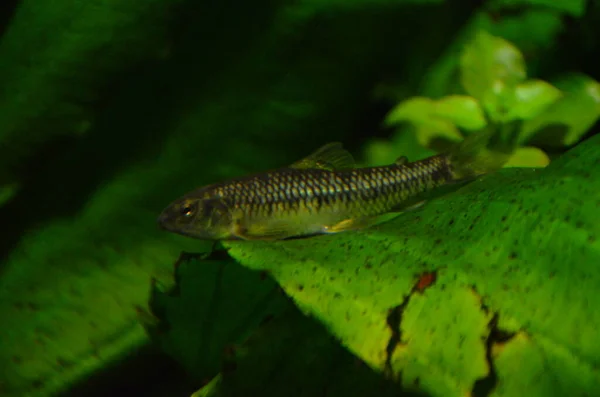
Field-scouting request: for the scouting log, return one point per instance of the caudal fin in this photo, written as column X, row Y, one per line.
column 482, row 152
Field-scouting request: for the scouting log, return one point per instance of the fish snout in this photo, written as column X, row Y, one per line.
column 163, row 220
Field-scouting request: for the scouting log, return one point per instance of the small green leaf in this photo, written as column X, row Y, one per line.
column 413, row 110
column 528, row 157
column 464, row 111
column 565, row 121
column 531, row 98
column 491, row 68
column 421, row 113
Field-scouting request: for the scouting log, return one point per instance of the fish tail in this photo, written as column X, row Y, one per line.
column 482, row 152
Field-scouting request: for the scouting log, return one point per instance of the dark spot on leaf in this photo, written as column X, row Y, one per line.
column 451, row 222
column 331, row 278
column 591, row 239
column 503, row 219
column 314, row 269
column 368, row 265
column 512, row 255
column 300, row 287
column 337, row 295
column 438, row 241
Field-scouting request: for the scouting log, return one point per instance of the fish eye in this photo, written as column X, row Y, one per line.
column 188, row 209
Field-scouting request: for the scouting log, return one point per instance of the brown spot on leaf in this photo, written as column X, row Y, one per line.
column 425, row 280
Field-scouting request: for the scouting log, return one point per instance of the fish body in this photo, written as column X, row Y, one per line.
column 322, row 193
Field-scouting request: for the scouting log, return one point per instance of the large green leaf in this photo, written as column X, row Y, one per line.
column 222, row 317
column 490, row 291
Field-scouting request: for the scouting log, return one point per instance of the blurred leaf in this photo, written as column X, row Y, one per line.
column 528, row 157
column 421, row 112
column 574, row 8
column 463, row 111
column 532, row 98
column 530, row 30
column 402, row 143
column 491, row 68
column 473, row 294
column 570, row 117
column 55, row 65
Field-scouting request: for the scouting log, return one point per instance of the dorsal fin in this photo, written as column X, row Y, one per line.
column 331, row 156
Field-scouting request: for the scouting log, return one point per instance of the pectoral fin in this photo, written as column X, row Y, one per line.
column 330, row 157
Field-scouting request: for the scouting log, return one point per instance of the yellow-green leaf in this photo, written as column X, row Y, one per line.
column 565, row 121
column 421, row 113
column 528, row 157
column 464, row 111
column 531, row 98
column 491, row 68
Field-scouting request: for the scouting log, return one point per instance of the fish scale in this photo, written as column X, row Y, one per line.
column 316, row 190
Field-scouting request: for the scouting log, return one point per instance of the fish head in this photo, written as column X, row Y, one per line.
column 204, row 218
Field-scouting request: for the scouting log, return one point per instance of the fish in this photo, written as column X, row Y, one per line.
column 325, row 193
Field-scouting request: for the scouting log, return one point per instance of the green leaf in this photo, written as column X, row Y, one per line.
column 463, row 111
column 403, row 143
column 570, row 117
column 54, row 65
column 528, row 157
column 532, row 98
column 491, row 68
column 422, row 114
column 479, row 292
